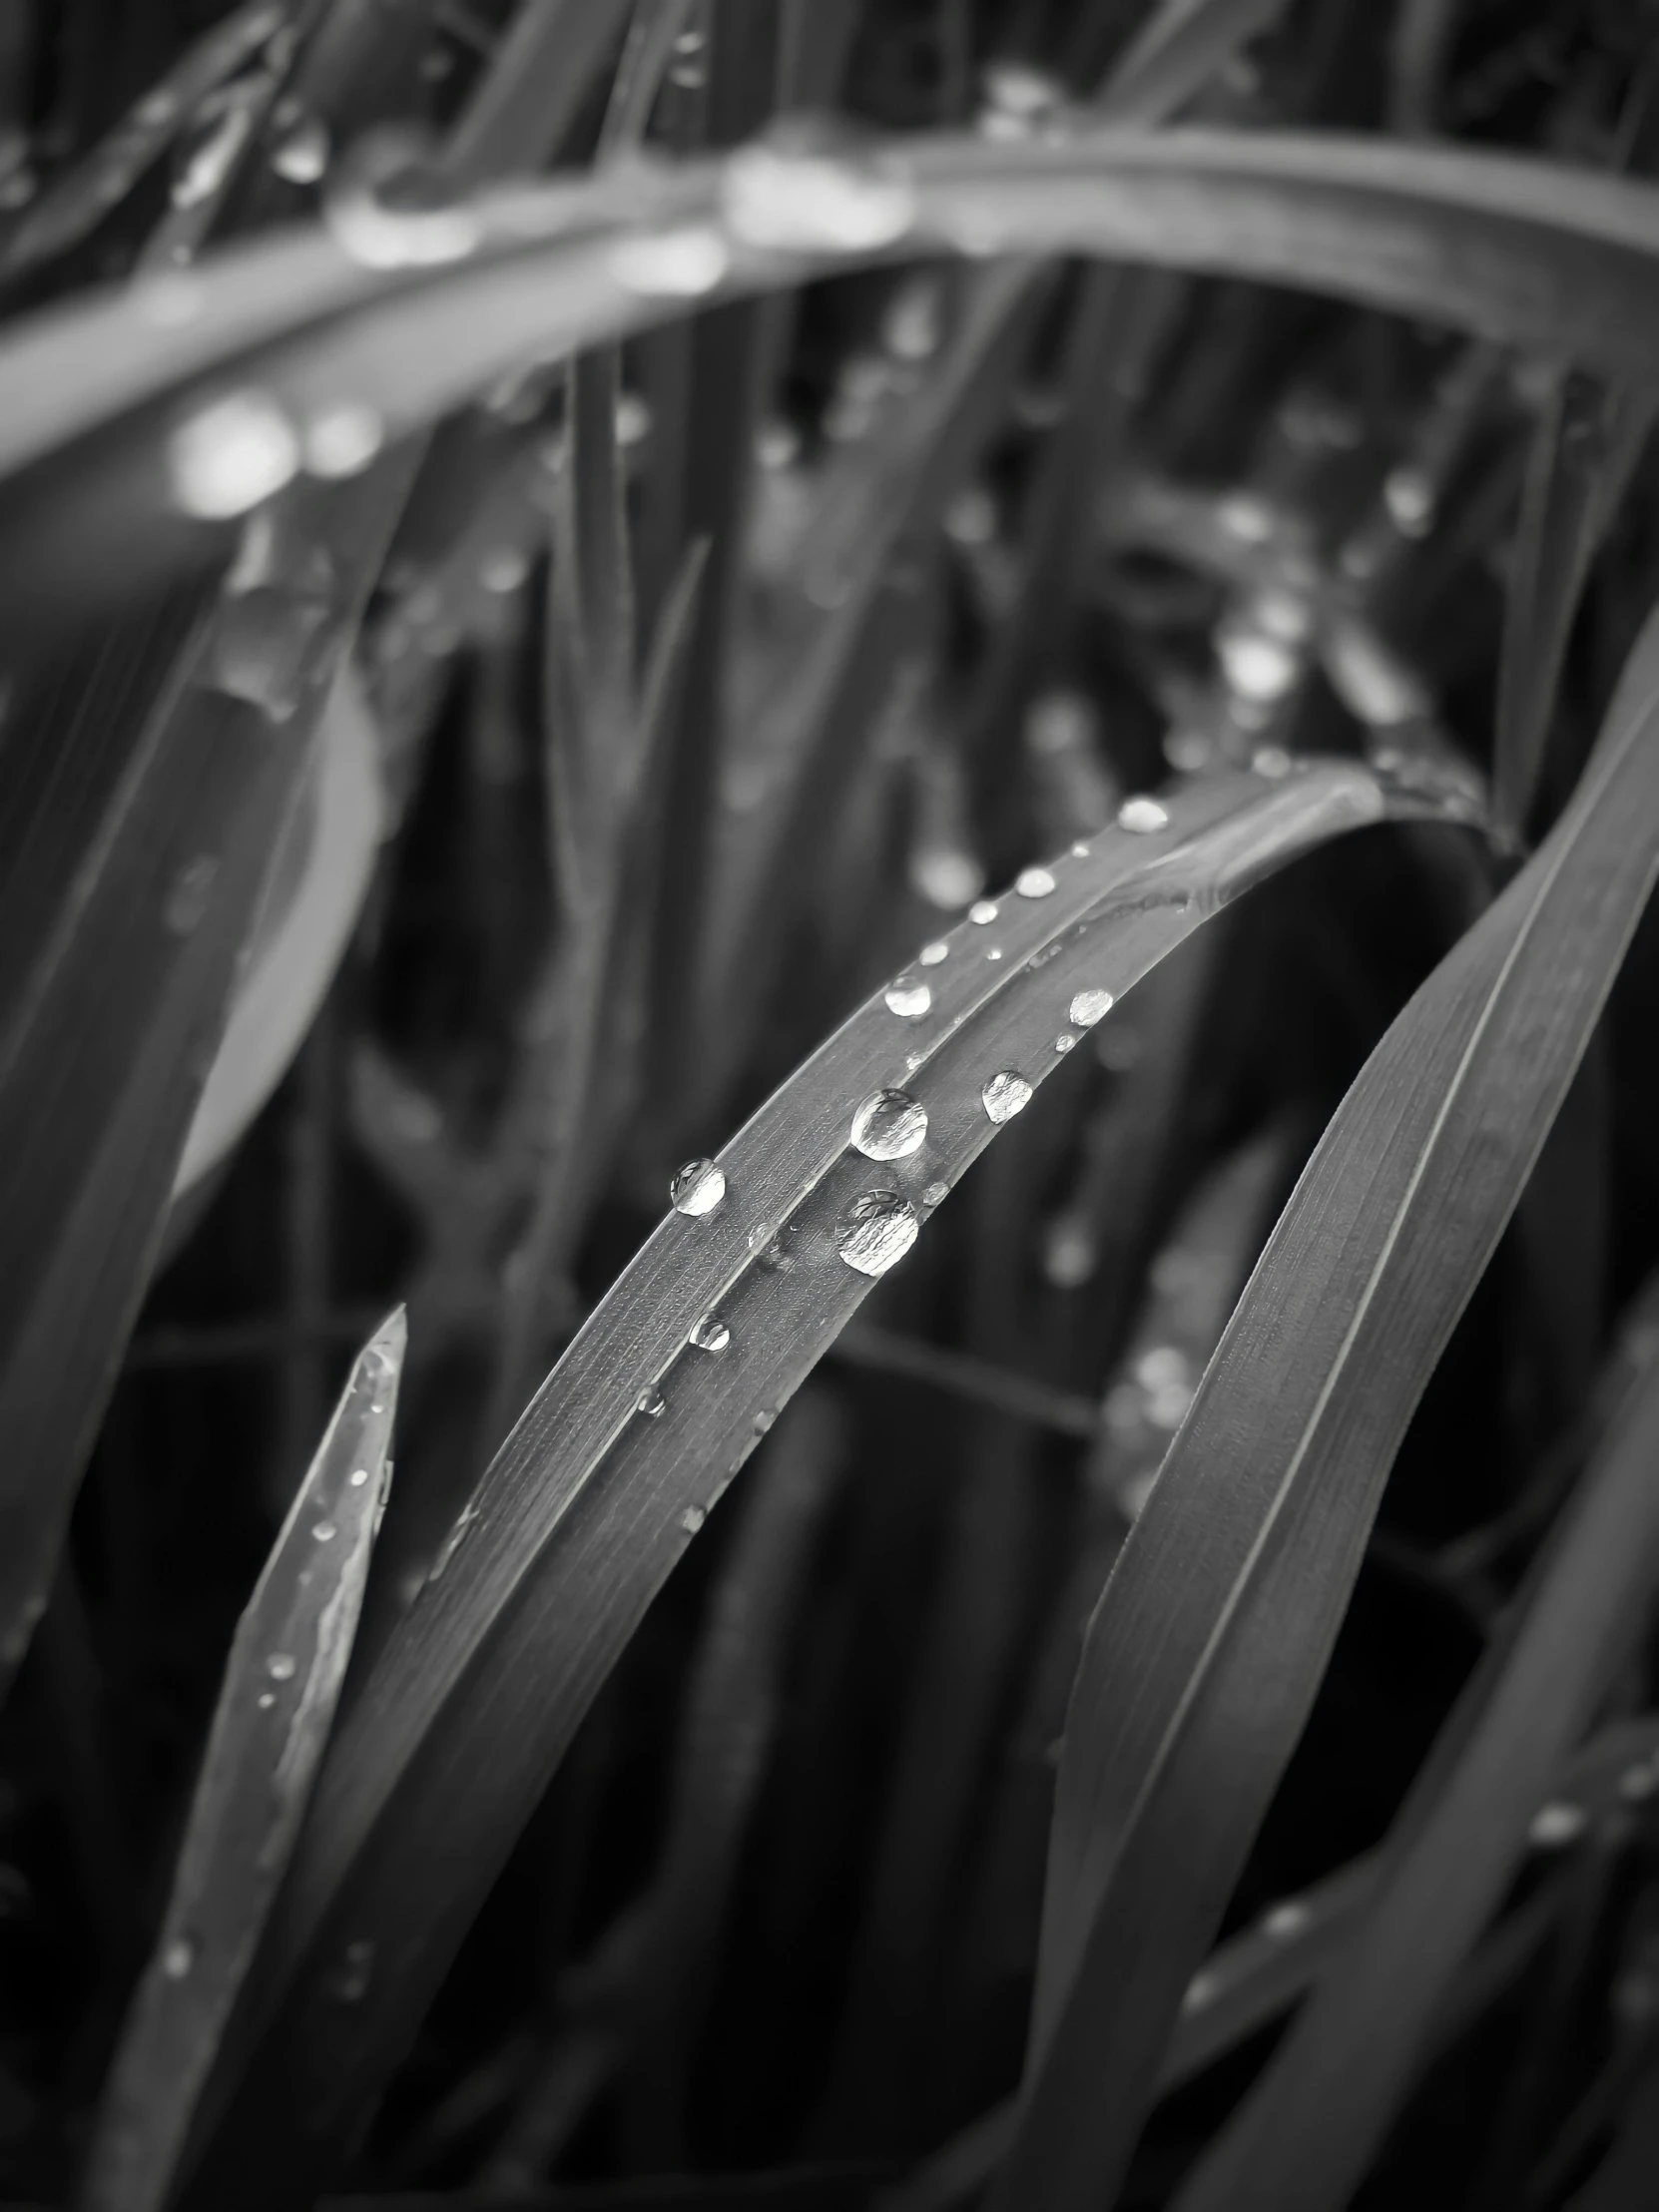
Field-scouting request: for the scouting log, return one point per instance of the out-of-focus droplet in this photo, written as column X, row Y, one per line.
column 1287, row 1919
column 231, row 454
column 1005, row 1094
column 1410, row 498
column 651, row 1403
column 908, row 997
column 970, row 517
column 1033, row 882
column 1256, row 665
column 1246, row 517
column 932, row 954
column 1188, row 750
column 178, row 1958
column 674, row 265
column 875, row 1232
column 633, row 419
column 982, row 910
column 711, row 1333
column 697, row 1188
column 1556, row 1824
column 188, row 900
column 910, row 325
column 344, row 439
column 349, row 1983
column 890, row 1125
column 1088, row 1008
column 302, row 156
column 774, row 197
column 1142, row 817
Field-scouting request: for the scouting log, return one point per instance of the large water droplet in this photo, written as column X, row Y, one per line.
column 304, row 154
column 908, row 997
column 890, row 1125
column 982, row 910
column 804, row 201
column 1088, row 1008
column 875, row 1232
column 711, row 1333
column 651, row 1403
column 698, row 1188
column 1033, row 882
column 1006, row 1095
column 230, row 455
column 674, row 265
column 1142, row 817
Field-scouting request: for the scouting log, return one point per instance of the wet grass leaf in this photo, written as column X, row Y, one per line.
column 1238, row 1572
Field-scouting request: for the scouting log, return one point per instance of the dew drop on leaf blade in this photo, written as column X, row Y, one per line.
column 1142, row 816
column 890, row 1125
column 1088, row 1008
column 875, row 1232
column 1005, row 1094
column 711, row 1333
column 908, row 997
column 697, row 1188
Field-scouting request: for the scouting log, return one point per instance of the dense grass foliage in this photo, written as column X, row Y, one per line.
column 633, row 630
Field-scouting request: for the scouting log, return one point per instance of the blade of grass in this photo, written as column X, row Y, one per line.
column 1454, row 1846
column 585, row 1509
column 1246, row 1553
column 281, row 1682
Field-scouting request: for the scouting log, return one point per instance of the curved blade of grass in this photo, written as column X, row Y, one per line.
column 74, row 204
column 1584, row 451
column 590, row 1500
column 1527, row 252
column 281, row 1682
column 1239, row 1571
column 1454, row 1846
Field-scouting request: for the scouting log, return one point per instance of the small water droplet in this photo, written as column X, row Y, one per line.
column 935, row 1194
column 302, row 156
column 230, row 455
column 932, row 954
column 359, row 1477
column 266, row 1700
column 1188, row 750
column 698, row 1188
column 349, row 1984
column 1247, row 517
column 711, row 1333
column 908, row 997
column 1410, row 498
column 280, row 1666
column 1556, row 1824
column 1080, row 851
column 1285, row 1920
column 994, row 952
column 875, row 1232
column 798, row 200
column 1033, row 882
column 1256, row 665
column 325, row 1531
column 1005, row 1094
column 763, row 1421
column 178, row 1958
column 982, row 910
column 651, row 1403
column 187, row 901
column 692, row 1519
column 890, row 1125
column 674, row 265
column 1064, row 1041
column 1088, row 1008
column 1142, row 816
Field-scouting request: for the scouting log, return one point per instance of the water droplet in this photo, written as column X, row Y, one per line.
column 932, row 954
column 1188, row 750
column 178, row 1958
column 1006, row 1095
column 280, row 1666
column 651, row 1403
column 778, row 444
column 1271, row 760
column 1247, row 517
column 349, row 1984
column 1376, row 685
column 982, row 910
column 908, row 997
column 1064, row 1041
column 763, row 1421
column 875, row 1232
column 698, row 1188
column 359, row 1477
column 890, row 1125
column 935, row 1194
column 674, row 265
column 711, row 1333
column 994, row 952
column 1200, row 1992
column 945, row 875
column 1088, row 1008
column 797, row 201
column 266, row 1700
column 1285, row 1920
column 1556, row 1824
column 344, row 439
column 1637, row 1784
column 776, row 1260
column 325, row 1531
column 1069, row 1254
column 187, row 901
column 230, row 455
column 380, row 235
column 1142, row 817
column 633, row 419
column 911, row 324
column 1410, row 498
column 1080, row 851
column 1033, row 882
column 970, row 517
column 1256, row 665
column 692, row 1519
column 302, row 156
